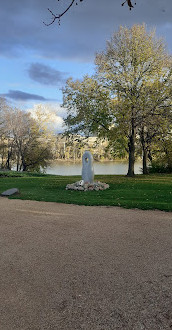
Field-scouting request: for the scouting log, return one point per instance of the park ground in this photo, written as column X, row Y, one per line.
column 147, row 192
column 84, row 267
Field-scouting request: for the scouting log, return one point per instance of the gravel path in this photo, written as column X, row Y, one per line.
column 66, row 267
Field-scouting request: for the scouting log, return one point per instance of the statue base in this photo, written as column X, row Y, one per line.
column 87, row 186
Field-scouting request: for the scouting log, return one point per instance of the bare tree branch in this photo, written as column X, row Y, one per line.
column 58, row 17
column 55, row 17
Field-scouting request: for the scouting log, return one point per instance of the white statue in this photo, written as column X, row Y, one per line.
column 87, row 167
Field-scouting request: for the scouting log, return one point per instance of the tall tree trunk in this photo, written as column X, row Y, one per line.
column 24, row 168
column 149, row 155
column 145, row 168
column 131, row 147
column 144, row 152
column 2, row 161
column 7, row 165
column 23, row 164
column 18, row 164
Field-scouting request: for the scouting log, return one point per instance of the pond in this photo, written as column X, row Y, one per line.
column 108, row 167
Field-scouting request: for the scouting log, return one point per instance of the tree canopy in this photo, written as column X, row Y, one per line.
column 129, row 98
column 24, row 141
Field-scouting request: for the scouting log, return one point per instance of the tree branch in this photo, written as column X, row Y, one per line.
column 58, row 17
column 55, row 17
column 101, row 124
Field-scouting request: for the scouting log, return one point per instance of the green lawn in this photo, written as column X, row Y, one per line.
column 143, row 192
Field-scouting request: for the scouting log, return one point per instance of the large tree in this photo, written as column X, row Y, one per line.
column 130, row 90
column 3, row 131
column 134, row 60
column 25, row 141
column 89, row 107
column 91, row 111
column 155, row 121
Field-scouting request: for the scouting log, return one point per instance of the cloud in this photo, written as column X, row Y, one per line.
column 54, row 115
column 45, row 74
column 22, row 96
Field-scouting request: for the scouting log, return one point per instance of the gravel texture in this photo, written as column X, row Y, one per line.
column 66, row 267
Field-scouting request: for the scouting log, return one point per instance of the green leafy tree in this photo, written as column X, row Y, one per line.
column 33, row 145
column 6, row 144
column 134, row 61
column 88, row 106
column 156, row 119
column 25, row 141
column 129, row 95
column 161, row 160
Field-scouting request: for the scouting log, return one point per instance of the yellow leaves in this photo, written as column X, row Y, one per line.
column 135, row 46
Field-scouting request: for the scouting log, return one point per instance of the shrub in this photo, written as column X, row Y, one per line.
column 159, row 167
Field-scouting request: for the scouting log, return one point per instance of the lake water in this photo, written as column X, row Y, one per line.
column 111, row 167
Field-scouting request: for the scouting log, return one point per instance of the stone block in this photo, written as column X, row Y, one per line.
column 10, row 192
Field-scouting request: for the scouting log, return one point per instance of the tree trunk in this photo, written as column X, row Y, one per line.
column 18, row 162
column 145, row 168
column 131, row 146
column 149, row 155
column 2, row 161
column 7, row 165
column 144, row 151
column 23, row 165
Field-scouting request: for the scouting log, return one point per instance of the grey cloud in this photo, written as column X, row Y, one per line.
column 22, row 96
column 84, row 29
column 45, row 75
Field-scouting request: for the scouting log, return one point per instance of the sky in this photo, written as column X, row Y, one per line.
column 36, row 60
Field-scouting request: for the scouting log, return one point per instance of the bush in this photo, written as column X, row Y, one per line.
column 157, row 167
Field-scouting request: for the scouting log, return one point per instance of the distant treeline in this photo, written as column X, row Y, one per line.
column 73, row 148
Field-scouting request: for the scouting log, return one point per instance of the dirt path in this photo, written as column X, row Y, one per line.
column 69, row 267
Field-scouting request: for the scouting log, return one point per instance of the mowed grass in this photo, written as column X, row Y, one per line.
column 142, row 192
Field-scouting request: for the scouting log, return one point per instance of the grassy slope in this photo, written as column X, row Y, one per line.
column 143, row 192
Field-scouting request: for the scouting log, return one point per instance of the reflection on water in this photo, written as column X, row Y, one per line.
column 69, row 168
